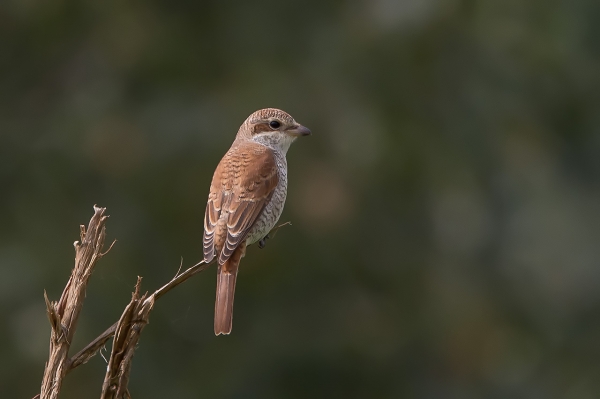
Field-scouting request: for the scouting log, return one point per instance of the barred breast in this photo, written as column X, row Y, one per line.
column 270, row 215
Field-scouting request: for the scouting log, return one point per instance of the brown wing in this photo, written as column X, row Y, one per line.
column 242, row 186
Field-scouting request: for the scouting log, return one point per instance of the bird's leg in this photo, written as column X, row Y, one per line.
column 263, row 242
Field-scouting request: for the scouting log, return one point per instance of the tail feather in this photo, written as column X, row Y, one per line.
column 226, row 277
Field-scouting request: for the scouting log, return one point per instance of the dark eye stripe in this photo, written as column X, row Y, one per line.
column 261, row 127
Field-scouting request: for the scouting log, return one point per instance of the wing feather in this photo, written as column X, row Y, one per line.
column 242, row 186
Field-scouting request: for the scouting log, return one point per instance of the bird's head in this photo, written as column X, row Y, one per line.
column 272, row 127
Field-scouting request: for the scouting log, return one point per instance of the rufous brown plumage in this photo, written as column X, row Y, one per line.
column 246, row 198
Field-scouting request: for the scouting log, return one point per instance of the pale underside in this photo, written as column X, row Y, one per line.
column 246, row 198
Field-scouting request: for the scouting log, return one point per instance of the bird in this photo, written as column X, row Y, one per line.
column 246, row 198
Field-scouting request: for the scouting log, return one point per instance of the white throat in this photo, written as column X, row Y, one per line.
column 275, row 140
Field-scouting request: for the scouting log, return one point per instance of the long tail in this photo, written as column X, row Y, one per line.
column 226, row 276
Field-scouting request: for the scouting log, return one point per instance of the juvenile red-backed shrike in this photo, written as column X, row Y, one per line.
column 246, row 198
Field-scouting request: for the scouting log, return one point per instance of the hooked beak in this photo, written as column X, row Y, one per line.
column 298, row 131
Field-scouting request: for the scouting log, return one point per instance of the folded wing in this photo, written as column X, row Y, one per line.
column 243, row 184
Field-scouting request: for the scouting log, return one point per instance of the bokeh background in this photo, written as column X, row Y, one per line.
column 446, row 210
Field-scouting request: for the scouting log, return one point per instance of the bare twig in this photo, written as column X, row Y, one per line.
column 276, row 229
column 63, row 315
column 127, row 334
column 90, row 349
column 180, row 278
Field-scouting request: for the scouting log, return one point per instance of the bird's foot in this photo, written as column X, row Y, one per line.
column 263, row 242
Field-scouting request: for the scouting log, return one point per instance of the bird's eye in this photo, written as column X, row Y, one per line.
column 274, row 124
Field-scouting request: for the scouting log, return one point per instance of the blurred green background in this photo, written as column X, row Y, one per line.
column 446, row 210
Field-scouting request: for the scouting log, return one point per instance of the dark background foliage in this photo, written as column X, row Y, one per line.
column 446, row 213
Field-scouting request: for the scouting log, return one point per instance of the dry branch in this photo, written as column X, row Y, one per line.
column 63, row 315
column 93, row 347
column 127, row 333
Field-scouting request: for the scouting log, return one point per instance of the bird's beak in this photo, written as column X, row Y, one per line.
column 299, row 130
